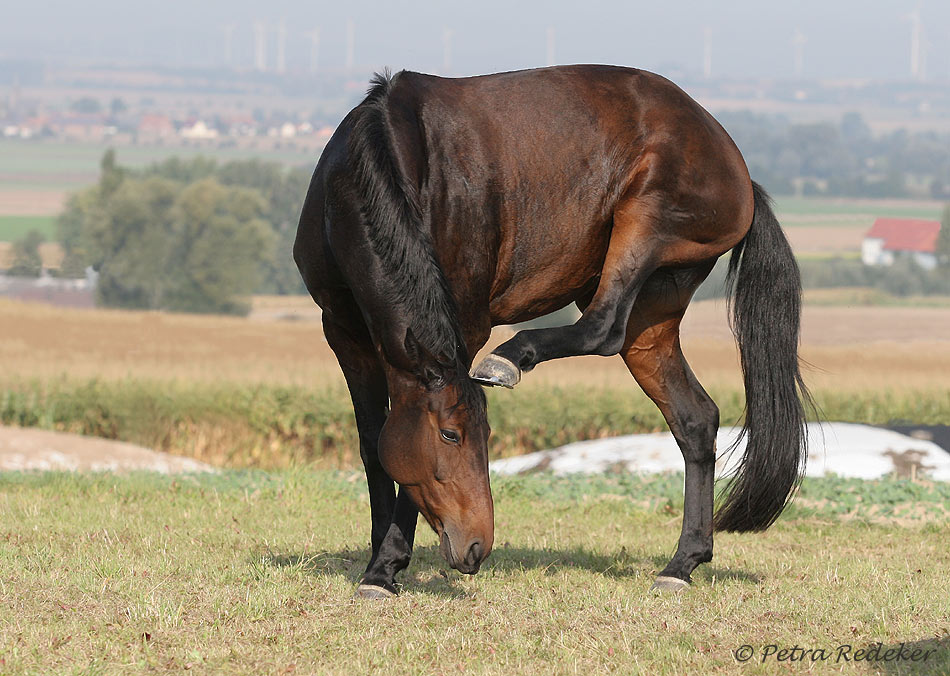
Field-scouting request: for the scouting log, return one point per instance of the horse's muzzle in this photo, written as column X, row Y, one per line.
column 470, row 562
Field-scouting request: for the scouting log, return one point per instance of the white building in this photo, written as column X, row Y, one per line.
column 892, row 238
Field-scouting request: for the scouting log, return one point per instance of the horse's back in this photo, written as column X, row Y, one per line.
column 530, row 167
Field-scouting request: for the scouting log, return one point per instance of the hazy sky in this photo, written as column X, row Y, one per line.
column 845, row 38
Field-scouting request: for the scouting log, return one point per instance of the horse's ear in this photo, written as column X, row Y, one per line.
column 427, row 367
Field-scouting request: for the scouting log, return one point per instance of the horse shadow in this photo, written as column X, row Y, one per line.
column 913, row 658
column 429, row 573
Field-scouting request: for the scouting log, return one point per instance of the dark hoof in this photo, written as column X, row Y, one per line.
column 665, row 583
column 495, row 370
column 371, row 591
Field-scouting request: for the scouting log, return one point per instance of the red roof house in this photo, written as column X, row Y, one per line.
column 890, row 238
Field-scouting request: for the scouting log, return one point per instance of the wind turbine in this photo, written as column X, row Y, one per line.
column 916, row 45
column 551, row 59
column 798, row 43
column 260, row 46
column 314, row 37
column 350, row 45
column 447, row 35
column 228, row 43
column 282, row 46
column 707, row 52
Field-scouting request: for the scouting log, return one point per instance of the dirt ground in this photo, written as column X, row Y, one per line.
column 33, row 449
column 15, row 202
column 809, row 239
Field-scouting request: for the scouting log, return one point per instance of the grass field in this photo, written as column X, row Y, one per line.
column 253, row 573
column 53, row 158
column 14, row 227
column 36, row 177
column 798, row 209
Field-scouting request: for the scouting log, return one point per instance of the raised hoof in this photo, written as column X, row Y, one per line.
column 495, row 370
column 372, row 591
column 665, row 583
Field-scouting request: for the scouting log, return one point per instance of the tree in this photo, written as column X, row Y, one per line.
column 943, row 242
column 27, row 261
column 160, row 245
column 220, row 242
column 81, row 208
column 87, row 106
column 188, row 235
column 284, row 192
column 111, row 174
column 117, row 107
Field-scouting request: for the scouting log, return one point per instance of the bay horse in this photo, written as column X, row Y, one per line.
column 442, row 207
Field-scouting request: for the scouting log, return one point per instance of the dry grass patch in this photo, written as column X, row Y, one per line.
column 38, row 341
column 848, row 348
column 827, row 238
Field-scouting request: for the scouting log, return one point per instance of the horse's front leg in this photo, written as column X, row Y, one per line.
column 393, row 553
column 600, row 329
column 393, row 519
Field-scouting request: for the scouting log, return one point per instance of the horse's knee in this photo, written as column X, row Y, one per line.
column 697, row 433
column 611, row 343
column 605, row 337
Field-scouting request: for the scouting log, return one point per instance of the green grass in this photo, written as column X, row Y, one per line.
column 276, row 426
column 54, row 165
column 14, row 227
column 253, row 573
column 807, row 206
column 851, row 296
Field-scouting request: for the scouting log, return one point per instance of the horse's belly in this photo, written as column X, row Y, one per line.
column 542, row 271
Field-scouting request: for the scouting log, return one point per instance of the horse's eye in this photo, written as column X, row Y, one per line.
column 450, row 436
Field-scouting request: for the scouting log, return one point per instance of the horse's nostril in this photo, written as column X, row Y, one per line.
column 474, row 553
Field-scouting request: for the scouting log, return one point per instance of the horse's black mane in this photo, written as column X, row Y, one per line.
column 416, row 286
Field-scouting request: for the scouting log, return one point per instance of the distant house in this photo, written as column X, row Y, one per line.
column 893, row 238
column 198, row 131
column 154, row 127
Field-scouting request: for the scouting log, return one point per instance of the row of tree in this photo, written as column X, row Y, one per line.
column 199, row 236
column 186, row 235
column 843, row 159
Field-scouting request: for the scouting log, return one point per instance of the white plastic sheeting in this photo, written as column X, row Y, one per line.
column 843, row 449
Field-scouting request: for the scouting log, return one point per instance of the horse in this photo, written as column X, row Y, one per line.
column 442, row 207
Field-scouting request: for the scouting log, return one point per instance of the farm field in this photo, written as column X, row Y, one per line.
column 908, row 346
column 36, row 178
column 268, row 393
column 797, row 210
column 254, row 573
column 835, row 227
column 15, row 227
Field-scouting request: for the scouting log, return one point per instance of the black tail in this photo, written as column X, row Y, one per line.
column 766, row 308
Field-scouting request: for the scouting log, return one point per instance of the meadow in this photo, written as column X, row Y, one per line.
column 249, row 572
column 15, row 227
column 56, row 164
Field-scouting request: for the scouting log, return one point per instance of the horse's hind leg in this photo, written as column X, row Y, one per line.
column 653, row 355
column 633, row 253
column 394, row 518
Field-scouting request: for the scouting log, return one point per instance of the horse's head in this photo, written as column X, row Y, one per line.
column 435, row 445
